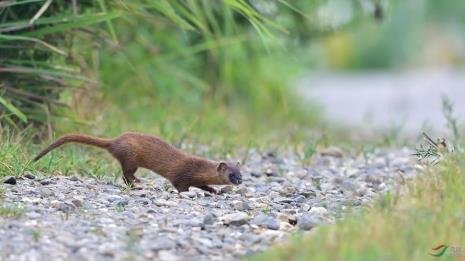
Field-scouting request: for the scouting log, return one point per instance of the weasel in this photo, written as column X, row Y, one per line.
column 137, row 150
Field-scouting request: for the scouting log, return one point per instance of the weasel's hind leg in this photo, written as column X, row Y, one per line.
column 128, row 175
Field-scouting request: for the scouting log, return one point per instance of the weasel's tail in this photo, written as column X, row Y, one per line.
column 76, row 138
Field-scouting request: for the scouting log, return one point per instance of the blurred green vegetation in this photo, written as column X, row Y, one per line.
column 414, row 34
column 163, row 67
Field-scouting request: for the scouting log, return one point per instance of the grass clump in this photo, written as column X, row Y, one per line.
column 11, row 211
column 17, row 151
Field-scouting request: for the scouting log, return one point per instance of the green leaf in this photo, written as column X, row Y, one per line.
column 24, row 38
column 75, row 22
column 13, row 110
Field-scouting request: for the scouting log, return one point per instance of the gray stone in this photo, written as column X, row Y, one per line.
column 266, row 221
column 162, row 244
column 188, row 194
column 165, row 255
column 29, row 175
column 192, row 222
column 307, row 222
column 238, row 218
column 46, row 182
column 226, row 189
column 331, row 152
column 77, row 203
column 208, row 219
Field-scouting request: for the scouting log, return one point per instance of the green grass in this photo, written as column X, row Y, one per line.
column 17, row 151
column 402, row 226
column 11, row 211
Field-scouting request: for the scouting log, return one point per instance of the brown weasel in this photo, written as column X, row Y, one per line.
column 136, row 150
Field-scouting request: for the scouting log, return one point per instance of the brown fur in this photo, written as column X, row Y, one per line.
column 136, row 150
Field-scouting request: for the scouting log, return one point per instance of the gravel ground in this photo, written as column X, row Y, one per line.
column 81, row 218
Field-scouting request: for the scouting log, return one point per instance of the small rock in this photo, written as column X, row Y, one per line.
column 165, row 203
column 143, row 201
column 64, row 207
column 270, row 172
column 113, row 198
column 306, row 207
column 331, row 152
column 29, row 175
column 208, row 219
column 241, row 191
column 33, row 215
column 238, row 218
column 45, row 182
column 74, row 178
column 291, row 219
column 165, row 255
column 226, row 189
column 240, row 205
column 286, row 227
column 300, row 199
column 307, row 222
column 45, row 192
column 77, row 203
column 283, row 200
column 288, row 191
column 162, row 244
column 188, row 194
column 319, row 211
column 151, row 211
column 10, row 180
column 193, row 222
column 122, row 202
column 266, row 221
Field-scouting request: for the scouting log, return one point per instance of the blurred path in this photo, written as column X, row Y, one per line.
column 412, row 100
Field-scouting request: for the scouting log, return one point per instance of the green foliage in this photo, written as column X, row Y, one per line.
column 430, row 37
column 36, row 59
column 163, row 54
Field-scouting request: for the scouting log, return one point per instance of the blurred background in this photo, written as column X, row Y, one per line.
column 245, row 70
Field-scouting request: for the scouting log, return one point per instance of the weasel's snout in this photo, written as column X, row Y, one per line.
column 235, row 178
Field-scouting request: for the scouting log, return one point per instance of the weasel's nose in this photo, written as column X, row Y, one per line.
column 239, row 180
column 236, row 179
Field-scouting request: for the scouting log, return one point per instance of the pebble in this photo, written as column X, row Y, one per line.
column 77, row 203
column 10, row 180
column 331, row 152
column 45, row 182
column 307, row 222
column 266, row 221
column 98, row 220
column 238, row 218
column 208, row 219
column 166, row 255
column 29, row 175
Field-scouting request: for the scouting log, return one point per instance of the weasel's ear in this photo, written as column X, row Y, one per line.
column 222, row 167
column 238, row 164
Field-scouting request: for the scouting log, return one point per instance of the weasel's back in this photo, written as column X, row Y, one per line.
column 151, row 152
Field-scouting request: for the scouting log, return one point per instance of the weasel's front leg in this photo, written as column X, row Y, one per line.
column 208, row 189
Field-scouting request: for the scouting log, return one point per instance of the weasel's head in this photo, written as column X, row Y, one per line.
column 230, row 172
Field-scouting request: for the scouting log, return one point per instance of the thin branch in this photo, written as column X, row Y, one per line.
column 41, row 11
